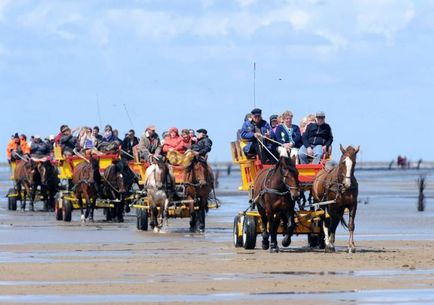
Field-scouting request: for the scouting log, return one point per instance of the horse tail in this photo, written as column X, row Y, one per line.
column 344, row 223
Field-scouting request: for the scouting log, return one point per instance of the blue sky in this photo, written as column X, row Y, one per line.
column 367, row 63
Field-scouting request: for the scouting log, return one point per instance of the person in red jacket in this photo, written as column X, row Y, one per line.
column 173, row 142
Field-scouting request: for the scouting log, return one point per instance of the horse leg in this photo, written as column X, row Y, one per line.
column 32, row 197
column 20, row 197
column 274, row 225
column 201, row 214
column 289, row 224
column 165, row 213
column 80, row 202
column 45, row 198
column 91, row 205
column 329, row 247
column 264, row 229
column 351, row 227
column 120, row 209
column 193, row 217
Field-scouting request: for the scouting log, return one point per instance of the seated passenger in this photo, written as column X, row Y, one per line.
column 252, row 132
column 289, row 135
column 173, row 147
column 17, row 147
column 186, row 139
column 39, row 149
column 203, row 145
column 128, row 143
column 87, row 142
column 316, row 140
column 68, row 141
column 310, row 118
column 149, row 145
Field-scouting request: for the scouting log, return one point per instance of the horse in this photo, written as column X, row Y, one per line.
column 160, row 187
column 199, row 179
column 87, row 180
column 339, row 185
column 117, row 182
column 49, row 182
column 275, row 192
column 26, row 179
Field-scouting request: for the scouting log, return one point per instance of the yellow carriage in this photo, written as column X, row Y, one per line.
column 247, row 224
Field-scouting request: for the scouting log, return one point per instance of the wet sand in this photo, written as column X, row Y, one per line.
column 45, row 261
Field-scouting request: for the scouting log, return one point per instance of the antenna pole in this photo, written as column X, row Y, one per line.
column 254, row 84
column 128, row 115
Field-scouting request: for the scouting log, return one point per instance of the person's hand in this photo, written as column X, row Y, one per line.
column 257, row 135
column 287, row 145
column 310, row 151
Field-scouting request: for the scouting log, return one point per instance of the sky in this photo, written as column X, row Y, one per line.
column 367, row 64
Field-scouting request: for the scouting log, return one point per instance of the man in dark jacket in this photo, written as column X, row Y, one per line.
column 204, row 143
column 68, row 141
column 252, row 132
column 127, row 145
column 316, row 140
column 39, row 149
column 149, row 144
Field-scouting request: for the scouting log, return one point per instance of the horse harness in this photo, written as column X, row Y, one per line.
column 336, row 187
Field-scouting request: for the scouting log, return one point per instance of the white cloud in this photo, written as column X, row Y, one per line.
column 52, row 17
column 384, row 17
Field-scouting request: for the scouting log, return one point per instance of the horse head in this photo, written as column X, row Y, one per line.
column 289, row 172
column 43, row 169
column 94, row 173
column 201, row 171
column 347, row 164
column 119, row 177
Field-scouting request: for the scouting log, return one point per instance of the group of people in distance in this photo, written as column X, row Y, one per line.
column 86, row 140
column 313, row 138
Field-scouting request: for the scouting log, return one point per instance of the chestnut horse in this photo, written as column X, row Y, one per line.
column 114, row 188
column 340, row 185
column 87, row 180
column 275, row 192
column 26, row 179
column 199, row 182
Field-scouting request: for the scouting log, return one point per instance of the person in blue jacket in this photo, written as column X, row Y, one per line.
column 289, row 135
column 252, row 132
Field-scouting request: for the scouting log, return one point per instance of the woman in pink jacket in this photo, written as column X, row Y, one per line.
column 173, row 142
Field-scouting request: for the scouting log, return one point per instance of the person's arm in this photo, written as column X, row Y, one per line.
column 305, row 137
column 330, row 136
column 296, row 136
column 246, row 133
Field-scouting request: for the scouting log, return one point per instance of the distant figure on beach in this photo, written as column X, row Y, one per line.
column 402, row 161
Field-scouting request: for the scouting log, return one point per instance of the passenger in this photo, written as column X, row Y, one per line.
column 252, row 132
column 316, row 140
column 186, row 140
column 274, row 122
column 59, row 135
column 310, row 118
column 49, row 141
column 39, row 149
column 108, row 134
column 203, row 145
column 68, row 141
column 149, row 145
column 127, row 145
column 289, row 135
column 193, row 136
column 87, row 142
column 116, row 137
column 95, row 133
column 173, row 142
column 17, row 148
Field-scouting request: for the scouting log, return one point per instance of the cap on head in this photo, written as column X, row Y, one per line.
column 16, row 136
column 65, row 128
column 256, row 111
column 320, row 114
column 273, row 117
column 202, row 131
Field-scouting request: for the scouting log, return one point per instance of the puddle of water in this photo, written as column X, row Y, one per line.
column 408, row 296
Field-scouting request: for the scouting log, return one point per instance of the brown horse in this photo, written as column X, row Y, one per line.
column 339, row 185
column 87, row 180
column 114, row 188
column 49, row 182
column 199, row 183
column 275, row 192
column 26, row 179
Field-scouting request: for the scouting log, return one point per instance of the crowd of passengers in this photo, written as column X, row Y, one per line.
column 312, row 139
column 86, row 140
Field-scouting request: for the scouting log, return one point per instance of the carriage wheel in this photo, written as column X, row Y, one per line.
column 12, row 201
column 58, row 212
column 237, row 235
column 67, row 210
column 142, row 219
column 316, row 241
column 249, row 232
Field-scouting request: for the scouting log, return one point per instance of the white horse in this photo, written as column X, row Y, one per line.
column 159, row 183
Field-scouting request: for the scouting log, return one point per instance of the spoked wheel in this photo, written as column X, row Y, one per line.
column 142, row 219
column 237, row 233
column 12, row 200
column 249, row 232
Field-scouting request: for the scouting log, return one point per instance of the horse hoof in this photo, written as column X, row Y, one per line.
column 351, row 250
column 22, row 210
column 265, row 245
column 329, row 249
column 274, row 250
column 286, row 242
column 156, row 230
column 82, row 219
